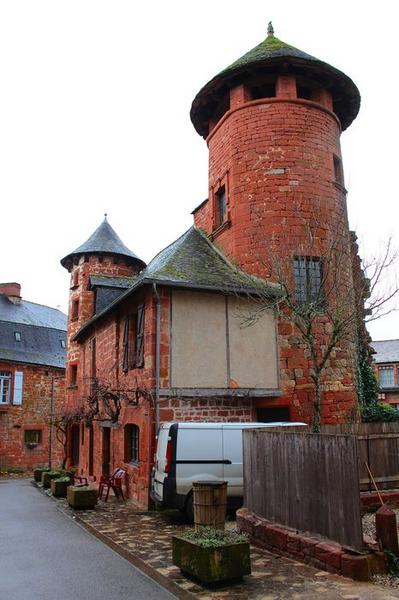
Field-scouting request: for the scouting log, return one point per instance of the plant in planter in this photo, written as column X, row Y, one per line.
column 59, row 486
column 212, row 555
column 37, row 473
column 47, row 476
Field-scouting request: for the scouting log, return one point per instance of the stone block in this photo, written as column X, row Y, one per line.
column 211, row 565
column 355, row 566
column 330, row 554
column 81, row 497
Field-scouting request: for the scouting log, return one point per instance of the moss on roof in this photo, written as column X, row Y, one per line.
column 269, row 57
column 271, row 47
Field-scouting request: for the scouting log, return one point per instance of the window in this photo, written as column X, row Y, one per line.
column 5, row 387
column 221, row 207
column 338, row 171
column 139, row 358
column 73, row 375
column 132, row 439
column 33, row 436
column 63, row 344
column 386, row 377
column 75, row 278
column 308, row 275
column 75, row 309
column 133, row 341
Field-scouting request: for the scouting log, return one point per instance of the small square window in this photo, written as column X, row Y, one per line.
column 17, row 336
column 33, row 436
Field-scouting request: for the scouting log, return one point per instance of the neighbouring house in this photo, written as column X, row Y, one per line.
column 32, row 372
column 386, row 367
column 171, row 340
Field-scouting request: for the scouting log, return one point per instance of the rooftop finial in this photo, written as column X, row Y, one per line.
column 105, row 216
column 270, row 30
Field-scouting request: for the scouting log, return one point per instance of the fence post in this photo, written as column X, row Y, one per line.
column 386, row 529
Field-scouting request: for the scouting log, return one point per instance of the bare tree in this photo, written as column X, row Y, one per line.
column 326, row 291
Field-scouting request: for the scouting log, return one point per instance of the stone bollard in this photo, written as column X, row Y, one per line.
column 386, row 529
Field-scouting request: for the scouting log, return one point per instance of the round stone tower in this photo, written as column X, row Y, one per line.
column 277, row 200
column 272, row 121
column 103, row 254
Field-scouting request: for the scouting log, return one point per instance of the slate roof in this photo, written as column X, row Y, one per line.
column 42, row 330
column 192, row 262
column 113, row 282
column 104, row 240
column 30, row 313
column 268, row 56
column 386, row 351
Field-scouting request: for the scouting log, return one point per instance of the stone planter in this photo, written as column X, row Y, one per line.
column 81, row 497
column 47, row 476
column 211, row 565
column 37, row 473
column 59, row 487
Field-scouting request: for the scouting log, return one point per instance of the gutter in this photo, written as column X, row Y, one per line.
column 157, row 355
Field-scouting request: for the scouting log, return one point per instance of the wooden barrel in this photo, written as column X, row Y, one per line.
column 209, row 502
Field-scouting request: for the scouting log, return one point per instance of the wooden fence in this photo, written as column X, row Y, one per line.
column 378, row 446
column 305, row 481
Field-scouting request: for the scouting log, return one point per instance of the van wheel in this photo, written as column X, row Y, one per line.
column 189, row 508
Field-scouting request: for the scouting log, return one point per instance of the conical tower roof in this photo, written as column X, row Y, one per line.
column 274, row 56
column 103, row 241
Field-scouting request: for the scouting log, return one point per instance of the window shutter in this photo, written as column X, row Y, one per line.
column 140, row 337
column 18, row 385
column 125, row 366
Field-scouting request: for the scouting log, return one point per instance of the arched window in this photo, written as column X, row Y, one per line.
column 132, row 443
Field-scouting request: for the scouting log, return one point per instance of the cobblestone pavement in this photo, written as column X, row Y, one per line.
column 146, row 536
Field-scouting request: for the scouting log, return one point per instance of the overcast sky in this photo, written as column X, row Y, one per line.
column 94, row 117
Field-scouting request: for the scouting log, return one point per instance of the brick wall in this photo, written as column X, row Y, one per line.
column 34, row 413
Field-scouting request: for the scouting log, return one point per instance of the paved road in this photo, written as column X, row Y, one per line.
column 44, row 555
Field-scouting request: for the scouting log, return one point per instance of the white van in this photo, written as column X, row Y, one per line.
column 192, row 451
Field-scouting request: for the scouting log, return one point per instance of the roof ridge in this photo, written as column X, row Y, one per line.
column 44, row 306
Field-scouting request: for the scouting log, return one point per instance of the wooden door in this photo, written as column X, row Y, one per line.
column 106, row 453
column 91, row 450
column 75, row 443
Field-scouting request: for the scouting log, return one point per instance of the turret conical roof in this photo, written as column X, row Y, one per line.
column 275, row 56
column 104, row 240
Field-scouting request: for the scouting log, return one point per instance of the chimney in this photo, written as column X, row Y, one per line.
column 12, row 291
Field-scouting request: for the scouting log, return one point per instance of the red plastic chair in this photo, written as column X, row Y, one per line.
column 113, row 481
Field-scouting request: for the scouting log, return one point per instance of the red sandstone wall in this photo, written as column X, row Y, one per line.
column 276, row 160
column 34, row 413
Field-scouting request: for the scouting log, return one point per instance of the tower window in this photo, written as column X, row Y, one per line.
column 63, row 344
column 75, row 309
column 304, row 92
column 266, row 90
column 73, row 375
column 308, row 276
column 17, row 336
column 221, row 206
column 338, row 171
column 75, row 279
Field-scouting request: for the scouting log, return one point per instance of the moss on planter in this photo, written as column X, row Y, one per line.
column 59, row 487
column 47, row 476
column 37, row 473
column 219, row 561
column 81, row 497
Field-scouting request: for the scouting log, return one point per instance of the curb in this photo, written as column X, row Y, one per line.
column 140, row 564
